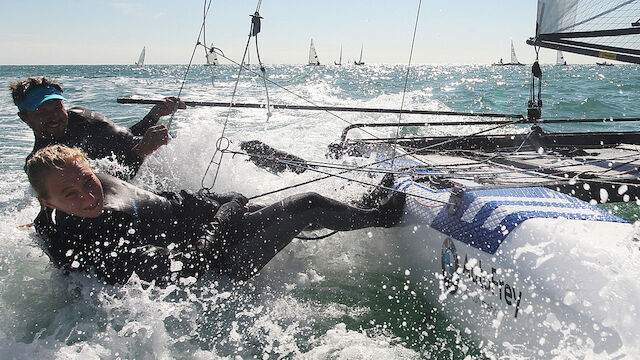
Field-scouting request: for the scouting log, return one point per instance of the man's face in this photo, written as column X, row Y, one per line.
column 49, row 120
column 75, row 190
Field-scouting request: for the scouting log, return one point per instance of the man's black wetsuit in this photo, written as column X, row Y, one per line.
column 167, row 236
column 139, row 231
column 100, row 138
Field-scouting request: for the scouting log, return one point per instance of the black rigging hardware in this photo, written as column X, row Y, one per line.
column 534, row 106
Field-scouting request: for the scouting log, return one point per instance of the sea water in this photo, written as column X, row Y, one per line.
column 341, row 297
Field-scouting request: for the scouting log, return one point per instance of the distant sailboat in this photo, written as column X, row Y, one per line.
column 560, row 61
column 339, row 61
column 140, row 61
column 514, row 58
column 212, row 57
column 359, row 62
column 313, row 56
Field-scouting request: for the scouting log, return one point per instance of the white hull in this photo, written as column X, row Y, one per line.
column 551, row 284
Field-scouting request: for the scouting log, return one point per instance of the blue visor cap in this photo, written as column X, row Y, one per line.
column 37, row 96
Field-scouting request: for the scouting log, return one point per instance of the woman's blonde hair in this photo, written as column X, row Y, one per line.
column 52, row 157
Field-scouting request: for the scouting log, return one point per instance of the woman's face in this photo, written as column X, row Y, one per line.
column 75, row 190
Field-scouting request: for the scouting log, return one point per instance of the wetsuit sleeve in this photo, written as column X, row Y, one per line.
column 47, row 236
column 143, row 125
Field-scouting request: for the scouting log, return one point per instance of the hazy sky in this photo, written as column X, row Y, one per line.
column 114, row 32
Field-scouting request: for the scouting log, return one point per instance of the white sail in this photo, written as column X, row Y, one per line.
column 560, row 59
column 339, row 61
column 212, row 57
column 313, row 56
column 606, row 29
column 140, row 61
column 514, row 59
column 359, row 62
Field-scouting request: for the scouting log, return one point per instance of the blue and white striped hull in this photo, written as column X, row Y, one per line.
column 530, row 268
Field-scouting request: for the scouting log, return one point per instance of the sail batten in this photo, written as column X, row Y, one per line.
column 605, row 29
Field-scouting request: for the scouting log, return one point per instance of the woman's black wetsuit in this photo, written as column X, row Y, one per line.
column 167, row 236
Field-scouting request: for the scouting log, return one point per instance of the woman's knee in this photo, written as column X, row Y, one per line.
column 305, row 201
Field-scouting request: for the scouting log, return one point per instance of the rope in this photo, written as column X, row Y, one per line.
column 293, row 93
column 406, row 80
column 206, row 50
column 186, row 73
column 256, row 25
column 219, row 149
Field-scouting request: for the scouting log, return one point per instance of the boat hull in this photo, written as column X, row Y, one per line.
column 545, row 287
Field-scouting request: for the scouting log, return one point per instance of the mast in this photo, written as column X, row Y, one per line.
column 605, row 29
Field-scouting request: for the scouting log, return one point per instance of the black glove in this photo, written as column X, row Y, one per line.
column 231, row 213
column 231, row 196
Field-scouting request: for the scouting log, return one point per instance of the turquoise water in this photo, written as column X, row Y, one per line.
column 342, row 297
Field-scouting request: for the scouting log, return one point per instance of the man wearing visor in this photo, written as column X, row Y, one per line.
column 41, row 106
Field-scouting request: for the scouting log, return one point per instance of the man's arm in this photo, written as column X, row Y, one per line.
column 100, row 138
column 167, row 107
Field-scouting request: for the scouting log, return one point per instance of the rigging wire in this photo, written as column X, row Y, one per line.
column 254, row 28
column 409, row 153
column 293, row 93
column 406, row 80
column 222, row 149
column 256, row 25
column 195, row 47
column 206, row 50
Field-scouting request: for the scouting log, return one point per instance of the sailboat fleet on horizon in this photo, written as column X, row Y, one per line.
column 315, row 61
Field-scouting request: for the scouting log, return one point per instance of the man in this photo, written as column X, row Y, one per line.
column 115, row 229
column 41, row 106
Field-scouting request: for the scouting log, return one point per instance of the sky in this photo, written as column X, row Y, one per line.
column 42, row 32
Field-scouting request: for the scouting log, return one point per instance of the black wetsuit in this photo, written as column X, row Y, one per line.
column 138, row 231
column 101, row 138
column 166, row 236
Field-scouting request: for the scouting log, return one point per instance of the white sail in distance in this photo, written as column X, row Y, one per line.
column 140, row 61
column 212, row 57
column 360, row 62
column 606, row 29
column 514, row 59
column 313, row 56
column 560, row 59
